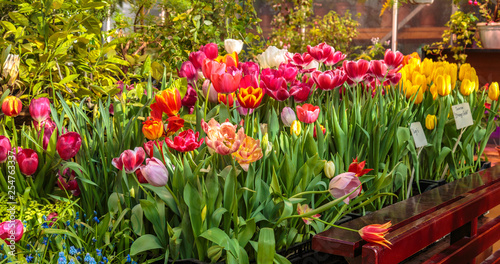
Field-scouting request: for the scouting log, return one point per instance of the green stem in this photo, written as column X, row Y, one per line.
column 308, row 192
column 330, row 224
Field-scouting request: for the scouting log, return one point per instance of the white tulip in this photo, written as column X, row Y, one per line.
column 233, row 45
column 272, row 57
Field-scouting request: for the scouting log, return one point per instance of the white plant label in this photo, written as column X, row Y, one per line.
column 418, row 134
column 462, row 114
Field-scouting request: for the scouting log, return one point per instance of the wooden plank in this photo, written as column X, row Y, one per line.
column 414, row 33
column 493, row 259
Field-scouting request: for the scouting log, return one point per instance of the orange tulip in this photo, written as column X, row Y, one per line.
column 169, row 101
column 152, row 128
column 11, row 106
column 376, row 233
column 248, row 152
column 250, row 97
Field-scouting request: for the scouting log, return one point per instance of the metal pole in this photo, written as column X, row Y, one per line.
column 394, row 25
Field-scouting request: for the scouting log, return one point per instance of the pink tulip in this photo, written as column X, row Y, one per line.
column 48, row 126
column 344, row 184
column 393, row 60
column 226, row 83
column 320, row 52
column 5, row 147
column 356, row 70
column 27, row 160
column 288, row 116
column 274, row 84
column 394, row 78
column 288, row 71
column 213, row 95
column 249, row 68
column 68, row 145
column 301, row 60
column 211, row 50
column 301, row 90
column 130, row 160
column 334, row 58
column 155, row 172
column 210, row 67
column 52, row 217
column 222, row 138
column 40, row 109
column 196, row 58
column 378, row 69
column 11, row 231
column 188, row 71
column 307, row 113
column 329, row 80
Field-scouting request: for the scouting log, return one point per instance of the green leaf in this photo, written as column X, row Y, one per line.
column 8, row 26
column 145, row 243
column 165, row 195
column 266, row 250
column 220, row 238
column 19, row 18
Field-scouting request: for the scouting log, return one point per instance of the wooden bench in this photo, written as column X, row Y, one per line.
column 421, row 220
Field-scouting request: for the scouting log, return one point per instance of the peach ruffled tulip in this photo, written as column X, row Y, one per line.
column 248, row 152
column 223, row 138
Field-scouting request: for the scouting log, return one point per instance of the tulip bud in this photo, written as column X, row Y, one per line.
column 296, row 127
column 344, row 184
column 5, row 147
column 329, row 169
column 27, row 160
column 40, row 109
column 288, row 116
column 430, row 122
column 211, row 50
column 233, row 45
column 11, row 229
column 493, row 91
column 12, row 106
column 155, row 172
column 68, row 145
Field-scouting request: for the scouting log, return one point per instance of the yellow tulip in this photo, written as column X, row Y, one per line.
column 443, row 85
column 419, row 94
column 296, row 128
column 420, row 80
column 451, row 69
column 434, row 92
column 408, row 89
column 463, row 69
column 427, row 67
column 467, row 87
column 430, row 122
column 493, row 91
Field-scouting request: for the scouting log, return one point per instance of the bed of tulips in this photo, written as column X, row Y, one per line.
column 237, row 160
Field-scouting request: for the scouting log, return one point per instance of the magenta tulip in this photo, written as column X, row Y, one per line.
column 356, row 70
column 5, row 147
column 334, row 58
column 68, row 185
column 249, row 68
column 394, row 60
column 211, row 50
column 300, row 90
column 130, row 160
column 320, row 52
column 288, row 71
column 11, row 231
column 188, row 71
column 40, row 109
column 68, row 145
column 329, row 80
column 378, row 69
column 274, row 84
column 343, row 184
column 190, row 98
column 155, row 172
column 27, row 160
column 196, row 58
column 307, row 113
column 301, row 60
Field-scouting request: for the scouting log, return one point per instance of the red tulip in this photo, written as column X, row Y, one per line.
column 169, row 101
column 307, row 113
column 274, row 84
column 11, row 231
column 149, row 147
column 329, row 80
column 226, row 83
column 130, row 160
column 393, row 60
column 356, row 70
column 188, row 71
column 320, row 52
column 174, row 124
column 196, row 58
column 140, row 177
column 5, row 147
column 27, row 160
column 378, row 69
column 11, row 106
column 358, row 168
column 210, row 67
column 40, row 109
column 376, row 233
column 185, row 141
column 156, row 111
column 301, row 60
column 300, row 91
column 211, row 50
column 68, row 145
column 334, row 58
column 155, row 172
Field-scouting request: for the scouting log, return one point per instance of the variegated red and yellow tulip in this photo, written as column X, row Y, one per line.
column 11, row 106
column 169, row 101
column 250, row 97
column 376, row 234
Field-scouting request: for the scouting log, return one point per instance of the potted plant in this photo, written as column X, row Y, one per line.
column 489, row 31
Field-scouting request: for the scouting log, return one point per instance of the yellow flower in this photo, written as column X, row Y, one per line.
column 420, row 80
column 464, row 68
column 443, row 85
column 430, row 122
column 427, row 67
column 419, row 95
column 248, row 152
column 433, row 91
column 493, row 91
column 451, row 69
column 467, row 87
column 296, row 128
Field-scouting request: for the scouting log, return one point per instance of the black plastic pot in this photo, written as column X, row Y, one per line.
column 484, row 165
column 426, row 185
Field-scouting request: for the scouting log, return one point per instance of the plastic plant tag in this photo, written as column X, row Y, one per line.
column 418, row 134
column 463, row 115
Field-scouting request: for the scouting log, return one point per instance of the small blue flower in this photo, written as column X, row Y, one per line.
column 71, row 262
column 94, row 240
column 88, row 258
column 44, row 225
column 29, row 258
column 73, row 251
column 68, row 223
column 128, row 259
column 45, row 240
column 96, row 219
column 105, row 259
column 98, row 251
column 62, row 261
